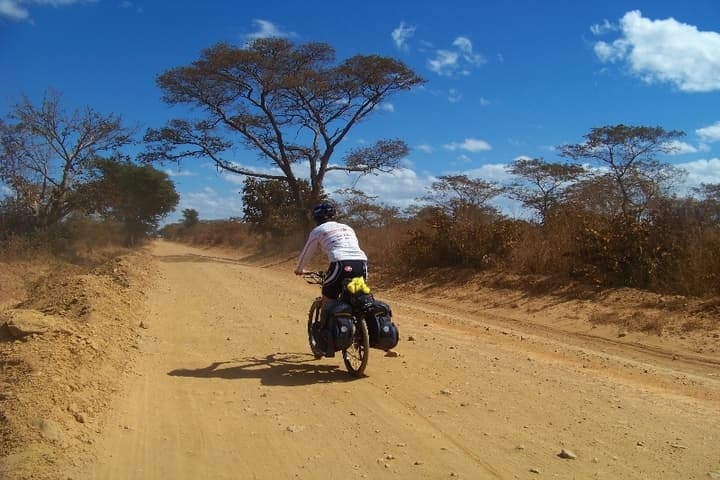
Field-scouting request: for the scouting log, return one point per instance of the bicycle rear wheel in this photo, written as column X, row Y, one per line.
column 356, row 355
column 313, row 328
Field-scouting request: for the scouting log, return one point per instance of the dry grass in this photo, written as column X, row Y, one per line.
column 571, row 257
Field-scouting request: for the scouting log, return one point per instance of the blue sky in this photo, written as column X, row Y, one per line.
column 504, row 79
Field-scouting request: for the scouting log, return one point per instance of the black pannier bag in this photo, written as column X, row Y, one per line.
column 342, row 331
column 383, row 332
column 340, row 328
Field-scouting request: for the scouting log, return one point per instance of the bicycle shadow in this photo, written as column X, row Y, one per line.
column 278, row 369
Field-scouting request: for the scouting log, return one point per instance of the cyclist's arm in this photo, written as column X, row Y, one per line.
column 307, row 253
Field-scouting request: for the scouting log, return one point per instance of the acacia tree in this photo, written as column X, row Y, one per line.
column 291, row 104
column 47, row 153
column 545, row 184
column 362, row 210
column 460, row 196
column 628, row 165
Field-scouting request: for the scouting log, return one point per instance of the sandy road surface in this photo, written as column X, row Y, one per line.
column 225, row 387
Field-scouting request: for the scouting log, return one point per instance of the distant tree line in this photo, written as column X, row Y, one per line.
column 608, row 215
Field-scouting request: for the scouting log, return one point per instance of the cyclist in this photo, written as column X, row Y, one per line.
column 341, row 246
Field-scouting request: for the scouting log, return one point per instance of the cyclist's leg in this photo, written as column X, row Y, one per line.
column 332, row 284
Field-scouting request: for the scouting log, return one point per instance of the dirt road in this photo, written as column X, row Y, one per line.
column 224, row 387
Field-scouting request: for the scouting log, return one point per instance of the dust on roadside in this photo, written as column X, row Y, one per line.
column 56, row 383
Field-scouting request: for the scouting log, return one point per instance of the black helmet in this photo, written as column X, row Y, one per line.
column 323, row 212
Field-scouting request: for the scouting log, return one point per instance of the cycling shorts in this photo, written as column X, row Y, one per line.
column 337, row 271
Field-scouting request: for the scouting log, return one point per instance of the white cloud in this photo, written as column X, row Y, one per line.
column 451, row 62
column 424, row 147
column 469, row 144
column 465, row 46
column 454, row 96
column 385, row 107
column 400, row 188
column 611, row 52
column 491, row 171
column 19, row 9
column 679, row 148
column 13, row 9
column 701, row 171
column 266, row 29
column 484, row 101
column 666, row 51
column 401, row 35
column 444, row 63
column 179, row 173
column 710, row 133
column 601, row 28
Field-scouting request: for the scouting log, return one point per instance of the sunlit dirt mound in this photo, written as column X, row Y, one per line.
column 61, row 349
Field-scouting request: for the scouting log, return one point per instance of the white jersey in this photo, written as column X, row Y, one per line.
column 337, row 240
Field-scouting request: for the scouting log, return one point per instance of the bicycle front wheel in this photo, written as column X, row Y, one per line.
column 356, row 355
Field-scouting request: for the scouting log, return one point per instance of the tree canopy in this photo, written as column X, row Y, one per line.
column 269, row 207
column 363, row 210
column 545, row 184
column 47, row 153
column 138, row 196
column 627, row 164
column 462, row 197
column 190, row 217
column 290, row 104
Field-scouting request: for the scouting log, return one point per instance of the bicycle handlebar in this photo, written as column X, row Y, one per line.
column 314, row 277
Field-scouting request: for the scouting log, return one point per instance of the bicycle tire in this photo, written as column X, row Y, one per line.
column 313, row 318
column 355, row 357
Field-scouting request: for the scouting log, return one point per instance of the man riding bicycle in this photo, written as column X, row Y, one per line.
column 342, row 248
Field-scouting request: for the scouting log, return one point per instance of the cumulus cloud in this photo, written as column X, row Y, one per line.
column 491, row 171
column 470, row 145
column 459, row 60
column 677, row 147
column 710, row 133
column 399, row 188
column 424, row 147
column 701, row 171
column 665, row 51
column 266, row 29
column 19, row 9
column 401, row 35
